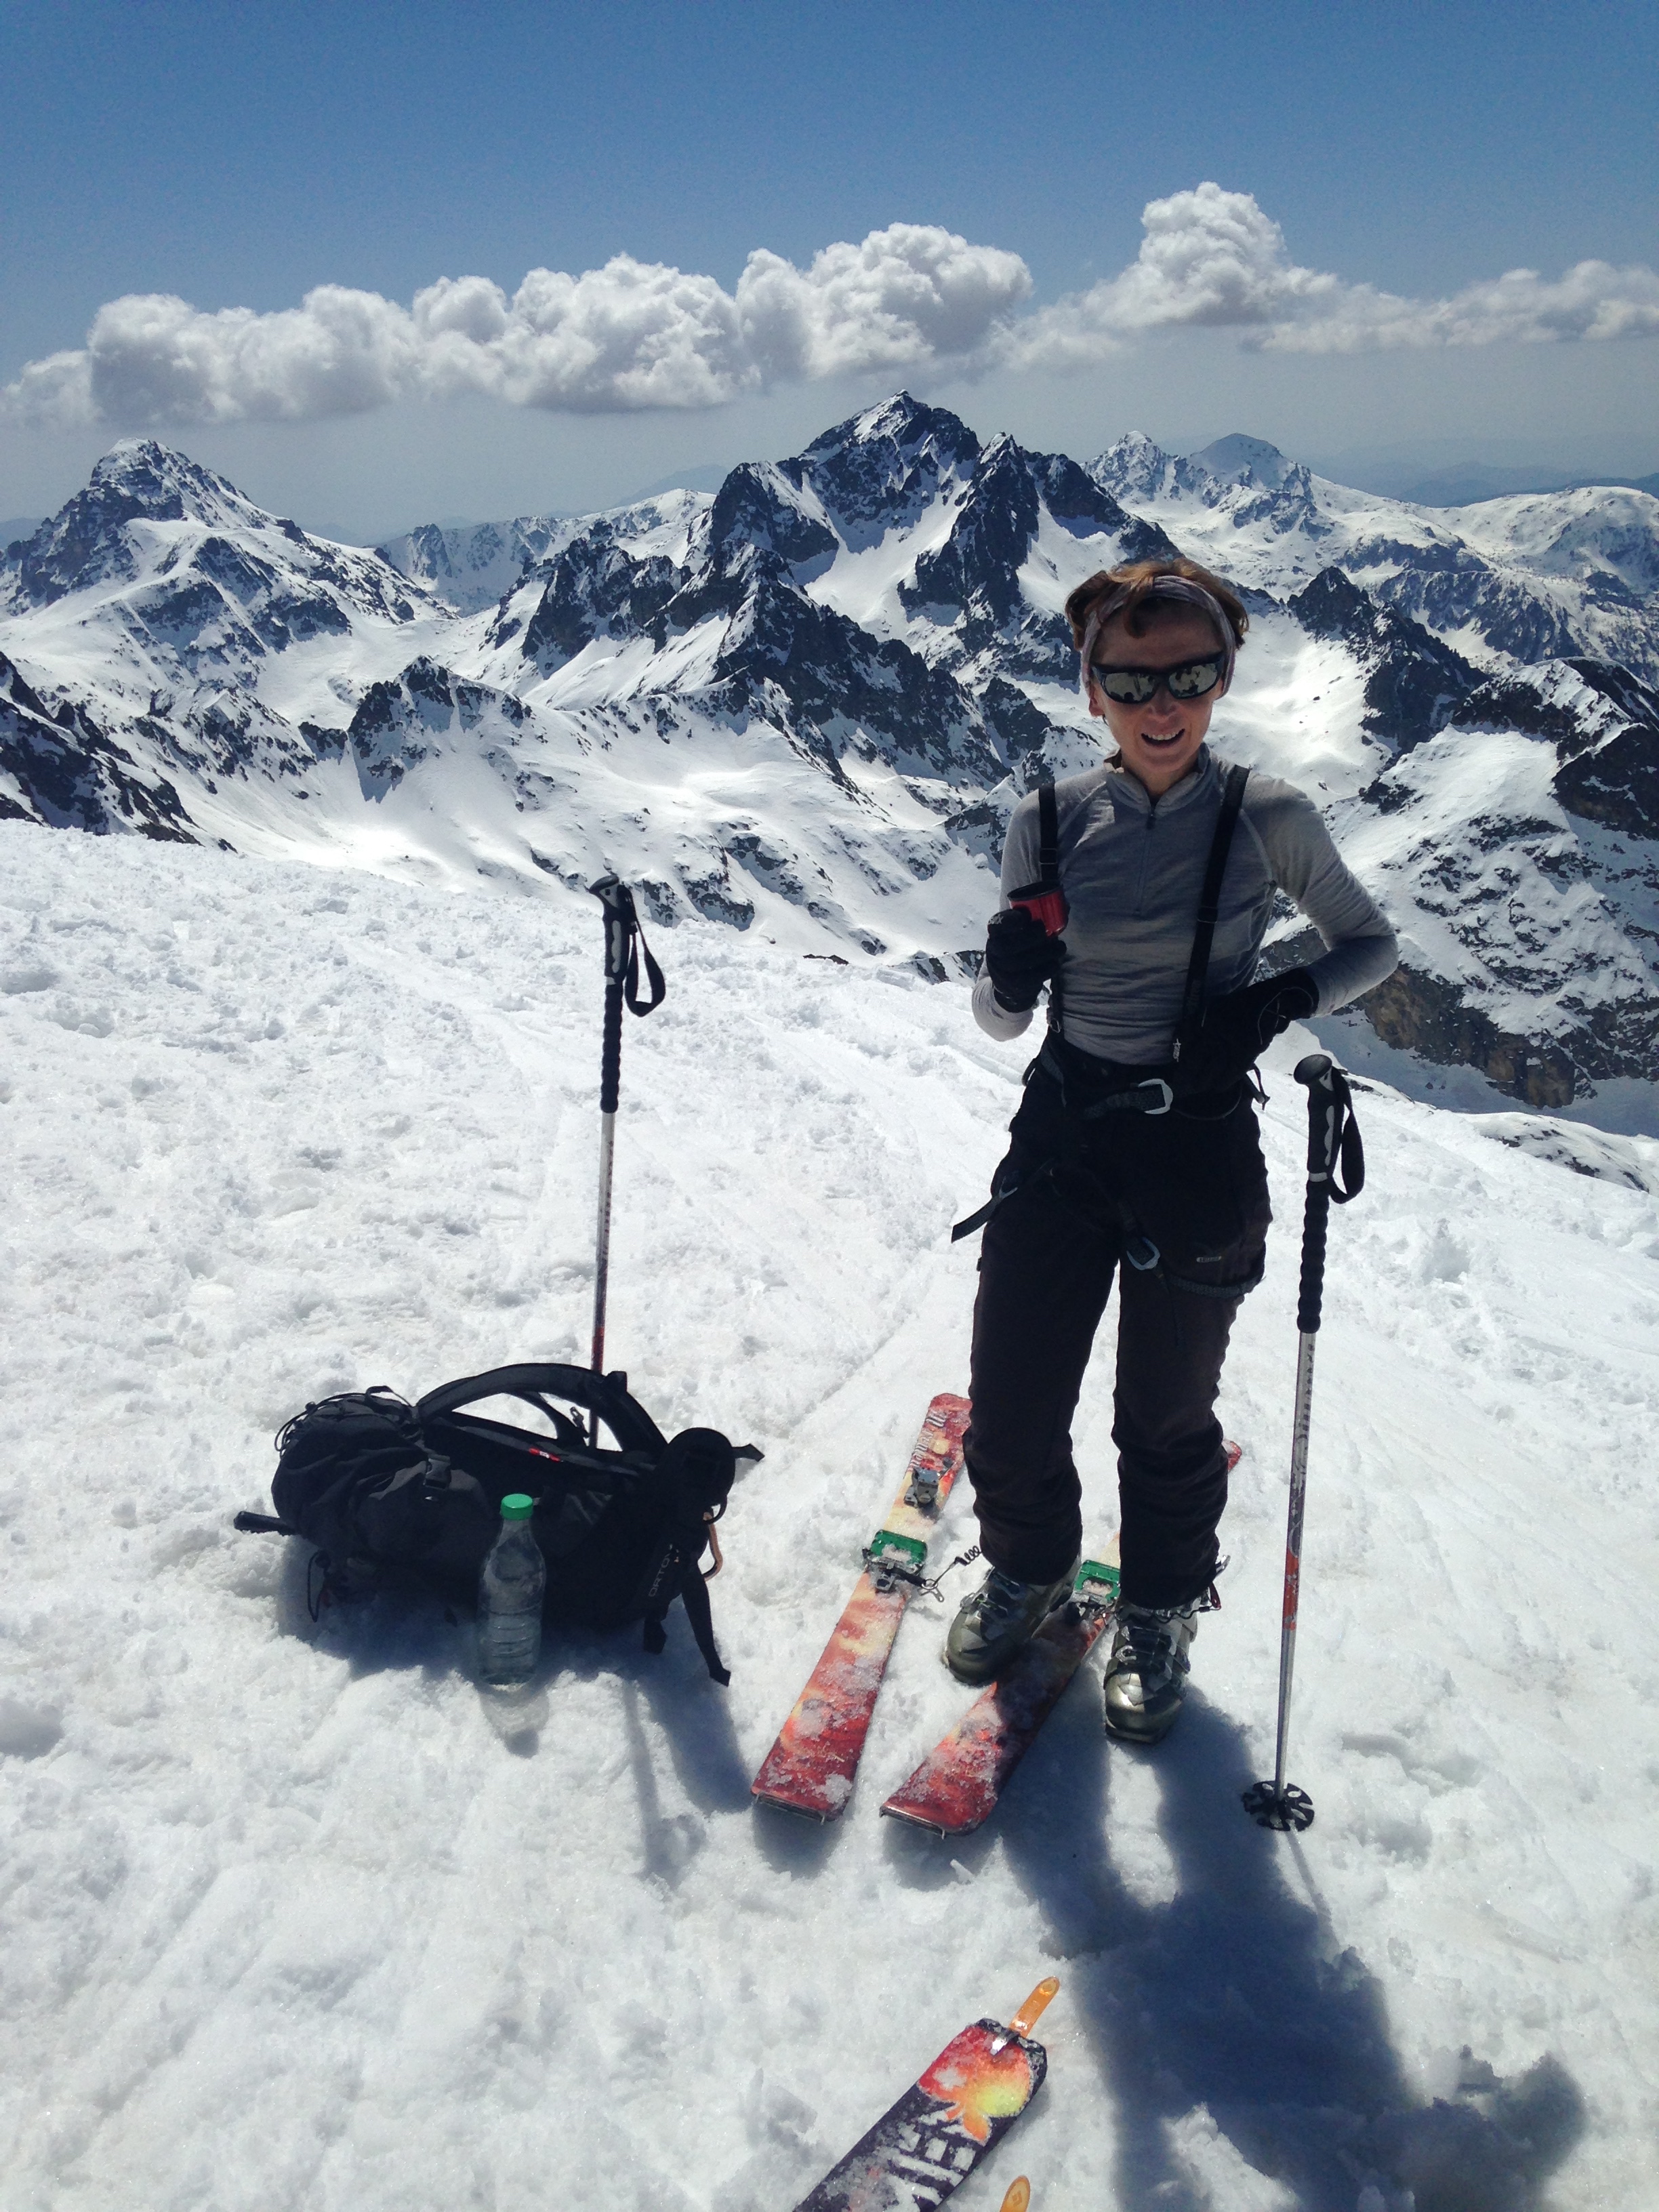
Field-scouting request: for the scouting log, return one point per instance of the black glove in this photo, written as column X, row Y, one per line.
column 1238, row 1027
column 1020, row 957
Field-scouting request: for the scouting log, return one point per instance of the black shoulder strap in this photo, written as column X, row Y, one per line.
column 1048, row 835
column 1048, row 876
column 1209, row 905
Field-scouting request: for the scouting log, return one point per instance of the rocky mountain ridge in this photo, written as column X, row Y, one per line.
column 806, row 704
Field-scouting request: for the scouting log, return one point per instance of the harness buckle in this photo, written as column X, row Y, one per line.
column 1157, row 1082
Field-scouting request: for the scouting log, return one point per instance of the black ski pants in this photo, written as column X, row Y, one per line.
column 1195, row 1186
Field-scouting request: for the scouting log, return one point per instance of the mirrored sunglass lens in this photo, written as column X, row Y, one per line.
column 1130, row 687
column 1192, row 681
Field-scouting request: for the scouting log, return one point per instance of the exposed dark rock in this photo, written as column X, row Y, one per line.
column 1415, row 684
column 1021, row 728
column 396, row 724
column 971, row 582
column 754, row 513
column 1425, row 1014
column 1449, row 588
column 878, row 470
column 69, row 774
column 826, row 679
column 594, row 588
column 1604, row 724
column 85, row 542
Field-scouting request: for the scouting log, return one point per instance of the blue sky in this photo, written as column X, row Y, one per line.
column 238, row 157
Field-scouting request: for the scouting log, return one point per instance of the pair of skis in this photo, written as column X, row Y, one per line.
column 928, row 2144
column 810, row 1768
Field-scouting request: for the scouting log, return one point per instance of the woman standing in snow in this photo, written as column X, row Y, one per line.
column 1135, row 1148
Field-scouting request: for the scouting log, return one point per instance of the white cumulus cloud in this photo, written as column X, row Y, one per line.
column 909, row 293
column 630, row 335
column 637, row 334
column 1213, row 258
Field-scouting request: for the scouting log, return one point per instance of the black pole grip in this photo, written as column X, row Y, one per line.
column 1316, row 1219
column 1318, row 1073
column 610, row 1051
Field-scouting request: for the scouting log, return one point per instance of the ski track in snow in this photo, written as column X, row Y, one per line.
column 294, row 1919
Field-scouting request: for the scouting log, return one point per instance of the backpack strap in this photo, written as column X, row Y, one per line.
column 607, row 1395
column 676, row 1573
column 1048, row 876
column 699, row 1464
column 1209, row 906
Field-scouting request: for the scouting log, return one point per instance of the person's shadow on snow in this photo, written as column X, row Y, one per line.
column 1230, row 2000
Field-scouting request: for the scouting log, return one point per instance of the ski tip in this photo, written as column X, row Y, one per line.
column 1035, row 2005
column 1018, row 2198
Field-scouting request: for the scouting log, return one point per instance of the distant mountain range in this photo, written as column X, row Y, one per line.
column 1462, row 486
column 804, row 703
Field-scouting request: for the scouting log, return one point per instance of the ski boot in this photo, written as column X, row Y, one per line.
column 995, row 1620
column 1146, row 1673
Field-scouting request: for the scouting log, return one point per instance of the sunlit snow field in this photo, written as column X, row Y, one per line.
column 291, row 1924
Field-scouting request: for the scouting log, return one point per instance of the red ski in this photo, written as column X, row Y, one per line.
column 810, row 1769
column 956, row 1786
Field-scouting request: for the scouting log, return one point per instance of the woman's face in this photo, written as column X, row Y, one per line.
column 1160, row 742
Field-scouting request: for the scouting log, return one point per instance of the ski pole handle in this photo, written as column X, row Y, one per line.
column 619, row 926
column 620, row 923
column 1318, row 1073
column 1327, row 1096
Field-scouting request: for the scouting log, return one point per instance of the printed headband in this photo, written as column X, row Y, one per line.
column 1162, row 587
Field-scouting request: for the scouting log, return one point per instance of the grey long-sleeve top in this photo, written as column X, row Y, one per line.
column 1133, row 870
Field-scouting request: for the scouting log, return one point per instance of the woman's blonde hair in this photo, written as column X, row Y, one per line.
column 1139, row 608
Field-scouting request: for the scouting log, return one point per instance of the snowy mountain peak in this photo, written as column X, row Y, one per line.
column 877, row 470
column 88, row 540
column 808, row 702
column 168, row 486
column 906, row 422
column 473, row 565
column 1136, row 468
column 1238, row 454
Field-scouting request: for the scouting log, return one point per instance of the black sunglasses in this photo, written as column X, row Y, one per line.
column 1133, row 687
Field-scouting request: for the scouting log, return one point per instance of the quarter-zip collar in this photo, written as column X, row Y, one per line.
column 1127, row 792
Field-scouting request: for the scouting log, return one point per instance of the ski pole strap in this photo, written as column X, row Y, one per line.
column 624, row 944
column 1209, row 905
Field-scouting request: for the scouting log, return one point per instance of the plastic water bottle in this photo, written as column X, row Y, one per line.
column 510, row 1599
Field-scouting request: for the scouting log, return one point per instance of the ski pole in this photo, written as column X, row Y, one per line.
column 1333, row 1140
column 624, row 942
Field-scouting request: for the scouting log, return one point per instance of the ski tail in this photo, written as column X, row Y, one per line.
column 810, row 1768
column 957, row 2110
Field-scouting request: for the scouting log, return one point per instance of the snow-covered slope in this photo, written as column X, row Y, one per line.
column 806, row 705
column 1526, row 578
column 293, row 1919
column 477, row 565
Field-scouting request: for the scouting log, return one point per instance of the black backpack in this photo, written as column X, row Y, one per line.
column 391, row 1493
